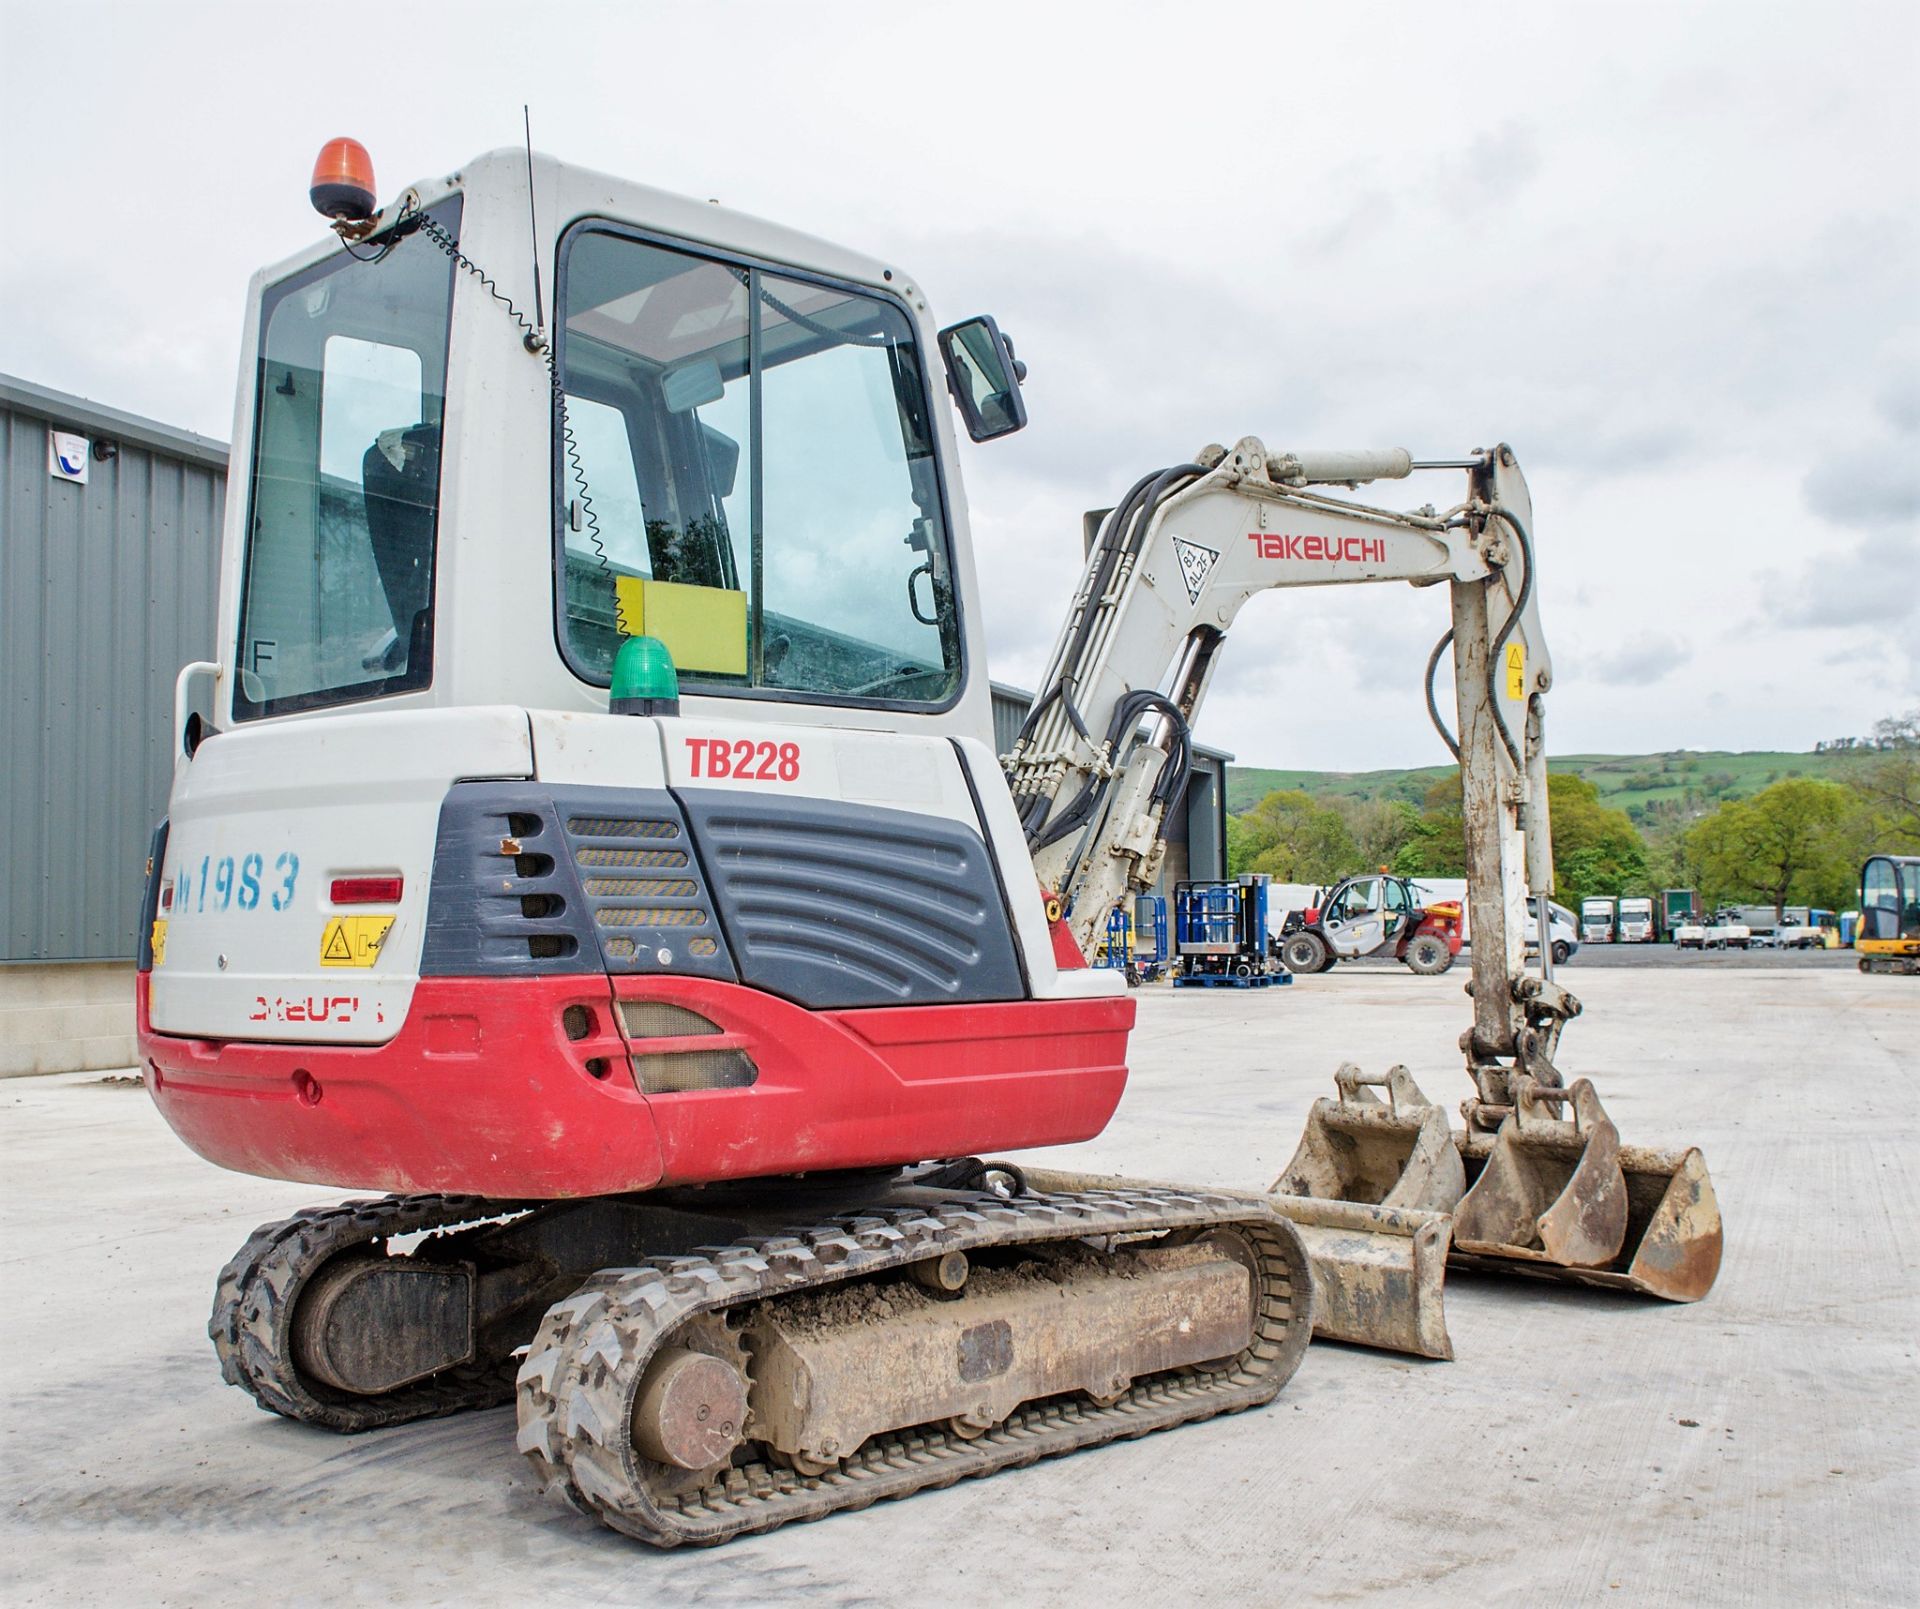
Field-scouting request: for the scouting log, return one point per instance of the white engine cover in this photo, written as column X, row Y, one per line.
column 261, row 823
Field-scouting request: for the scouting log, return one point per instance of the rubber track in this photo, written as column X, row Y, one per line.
column 254, row 1302
column 577, row 1387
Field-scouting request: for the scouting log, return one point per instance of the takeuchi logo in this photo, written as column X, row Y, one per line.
column 1336, row 549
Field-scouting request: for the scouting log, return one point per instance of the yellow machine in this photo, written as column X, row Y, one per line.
column 1888, row 939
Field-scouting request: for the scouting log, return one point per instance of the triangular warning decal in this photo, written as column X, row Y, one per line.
column 1196, row 564
column 335, row 946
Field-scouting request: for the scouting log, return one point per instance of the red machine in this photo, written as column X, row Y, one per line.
column 591, row 832
column 1376, row 915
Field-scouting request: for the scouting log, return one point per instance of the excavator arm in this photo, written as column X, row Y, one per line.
column 1383, row 1193
column 1169, row 572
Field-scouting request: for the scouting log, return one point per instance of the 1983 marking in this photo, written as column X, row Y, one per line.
column 231, row 881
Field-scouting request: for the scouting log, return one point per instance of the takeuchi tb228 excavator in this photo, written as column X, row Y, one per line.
column 590, row 839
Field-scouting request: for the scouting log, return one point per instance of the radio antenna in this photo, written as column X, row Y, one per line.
column 533, row 224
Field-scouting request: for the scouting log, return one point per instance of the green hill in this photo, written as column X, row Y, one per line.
column 1626, row 781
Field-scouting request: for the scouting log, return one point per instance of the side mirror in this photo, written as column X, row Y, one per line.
column 984, row 377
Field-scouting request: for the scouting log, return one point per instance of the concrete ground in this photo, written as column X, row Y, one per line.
column 1759, row 1447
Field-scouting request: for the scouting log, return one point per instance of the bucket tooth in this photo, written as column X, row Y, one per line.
column 1370, row 1189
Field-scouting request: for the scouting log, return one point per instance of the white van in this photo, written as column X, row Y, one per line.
column 1566, row 932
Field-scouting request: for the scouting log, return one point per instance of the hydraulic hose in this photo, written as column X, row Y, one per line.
column 1122, row 534
column 1171, row 782
column 1104, row 552
column 1506, row 631
column 1433, row 705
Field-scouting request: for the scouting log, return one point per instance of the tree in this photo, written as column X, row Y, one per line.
column 1291, row 838
column 1595, row 850
column 1674, row 860
column 1437, row 846
column 1798, row 837
column 1381, row 828
column 1244, row 841
column 1890, row 783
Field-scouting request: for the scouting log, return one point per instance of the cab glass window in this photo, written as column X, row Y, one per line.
column 1359, row 898
column 1880, row 900
column 343, row 501
column 748, row 474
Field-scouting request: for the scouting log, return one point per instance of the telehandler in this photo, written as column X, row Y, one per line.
column 589, row 838
column 1378, row 915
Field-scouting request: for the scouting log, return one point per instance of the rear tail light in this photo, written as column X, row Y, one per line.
column 367, row 890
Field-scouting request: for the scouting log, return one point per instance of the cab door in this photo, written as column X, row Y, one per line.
column 1356, row 922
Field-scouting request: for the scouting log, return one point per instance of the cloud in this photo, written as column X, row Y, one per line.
column 1639, row 660
column 1685, row 309
column 1498, row 163
column 1867, row 486
column 1868, row 584
column 1899, row 402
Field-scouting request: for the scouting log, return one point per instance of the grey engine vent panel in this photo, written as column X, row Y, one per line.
column 837, row 905
column 531, row 880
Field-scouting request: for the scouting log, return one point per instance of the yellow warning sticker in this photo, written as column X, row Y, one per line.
column 159, row 940
column 353, row 941
column 1516, row 672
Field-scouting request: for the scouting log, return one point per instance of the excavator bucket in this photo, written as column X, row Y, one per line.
column 1370, row 1189
column 1561, row 1198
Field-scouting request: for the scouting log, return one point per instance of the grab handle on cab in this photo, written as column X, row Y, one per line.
column 186, row 742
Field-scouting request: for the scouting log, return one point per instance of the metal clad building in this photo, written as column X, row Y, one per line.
column 106, row 589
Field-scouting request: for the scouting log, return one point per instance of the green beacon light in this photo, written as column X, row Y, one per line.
column 644, row 680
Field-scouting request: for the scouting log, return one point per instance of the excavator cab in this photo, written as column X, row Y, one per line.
column 420, row 839
column 1888, row 938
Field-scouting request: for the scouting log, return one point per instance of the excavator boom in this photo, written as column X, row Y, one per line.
column 1540, row 1181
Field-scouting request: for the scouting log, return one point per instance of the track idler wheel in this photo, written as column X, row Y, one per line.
column 691, row 1411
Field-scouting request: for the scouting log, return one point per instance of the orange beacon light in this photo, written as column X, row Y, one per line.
column 342, row 185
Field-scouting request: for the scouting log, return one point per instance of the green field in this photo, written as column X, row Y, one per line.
column 1626, row 781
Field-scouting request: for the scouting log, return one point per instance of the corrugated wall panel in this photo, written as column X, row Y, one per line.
column 106, row 590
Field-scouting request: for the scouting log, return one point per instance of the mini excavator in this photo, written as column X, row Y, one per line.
column 590, row 841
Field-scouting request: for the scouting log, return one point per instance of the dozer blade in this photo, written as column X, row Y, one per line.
column 1564, row 1199
column 1370, row 1189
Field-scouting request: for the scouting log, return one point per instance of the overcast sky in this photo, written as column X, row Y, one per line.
column 1670, row 252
